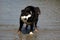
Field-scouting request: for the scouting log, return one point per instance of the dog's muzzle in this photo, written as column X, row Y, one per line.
column 25, row 18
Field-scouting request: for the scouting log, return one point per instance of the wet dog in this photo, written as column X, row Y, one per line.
column 29, row 16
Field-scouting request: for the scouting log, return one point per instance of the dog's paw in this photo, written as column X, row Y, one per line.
column 36, row 30
column 19, row 32
column 31, row 33
column 17, row 37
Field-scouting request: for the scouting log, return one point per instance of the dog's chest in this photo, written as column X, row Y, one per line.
column 24, row 25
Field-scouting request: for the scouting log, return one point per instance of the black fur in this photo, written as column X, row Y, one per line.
column 32, row 21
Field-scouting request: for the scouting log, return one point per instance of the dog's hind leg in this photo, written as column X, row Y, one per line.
column 35, row 24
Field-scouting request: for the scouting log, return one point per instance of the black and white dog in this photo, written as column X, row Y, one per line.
column 29, row 16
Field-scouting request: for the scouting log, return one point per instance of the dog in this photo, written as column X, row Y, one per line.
column 29, row 16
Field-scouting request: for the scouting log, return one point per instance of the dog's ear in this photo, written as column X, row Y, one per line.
column 22, row 11
column 31, row 12
column 37, row 10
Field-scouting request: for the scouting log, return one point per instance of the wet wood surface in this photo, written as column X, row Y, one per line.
column 7, row 34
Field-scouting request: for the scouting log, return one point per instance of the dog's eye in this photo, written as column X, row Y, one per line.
column 31, row 12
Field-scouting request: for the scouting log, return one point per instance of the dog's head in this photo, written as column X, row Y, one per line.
column 29, row 13
column 26, row 14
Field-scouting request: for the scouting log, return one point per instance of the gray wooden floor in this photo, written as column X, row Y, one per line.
column 10, row 34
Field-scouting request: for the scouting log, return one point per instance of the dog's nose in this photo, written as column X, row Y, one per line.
column 25, row 19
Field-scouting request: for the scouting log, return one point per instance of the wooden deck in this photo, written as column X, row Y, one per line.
column 7, row 34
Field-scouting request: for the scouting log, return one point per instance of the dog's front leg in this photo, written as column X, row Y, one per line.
column 21, row 25
column 31, row 29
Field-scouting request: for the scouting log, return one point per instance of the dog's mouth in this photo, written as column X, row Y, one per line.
column 24, row 21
